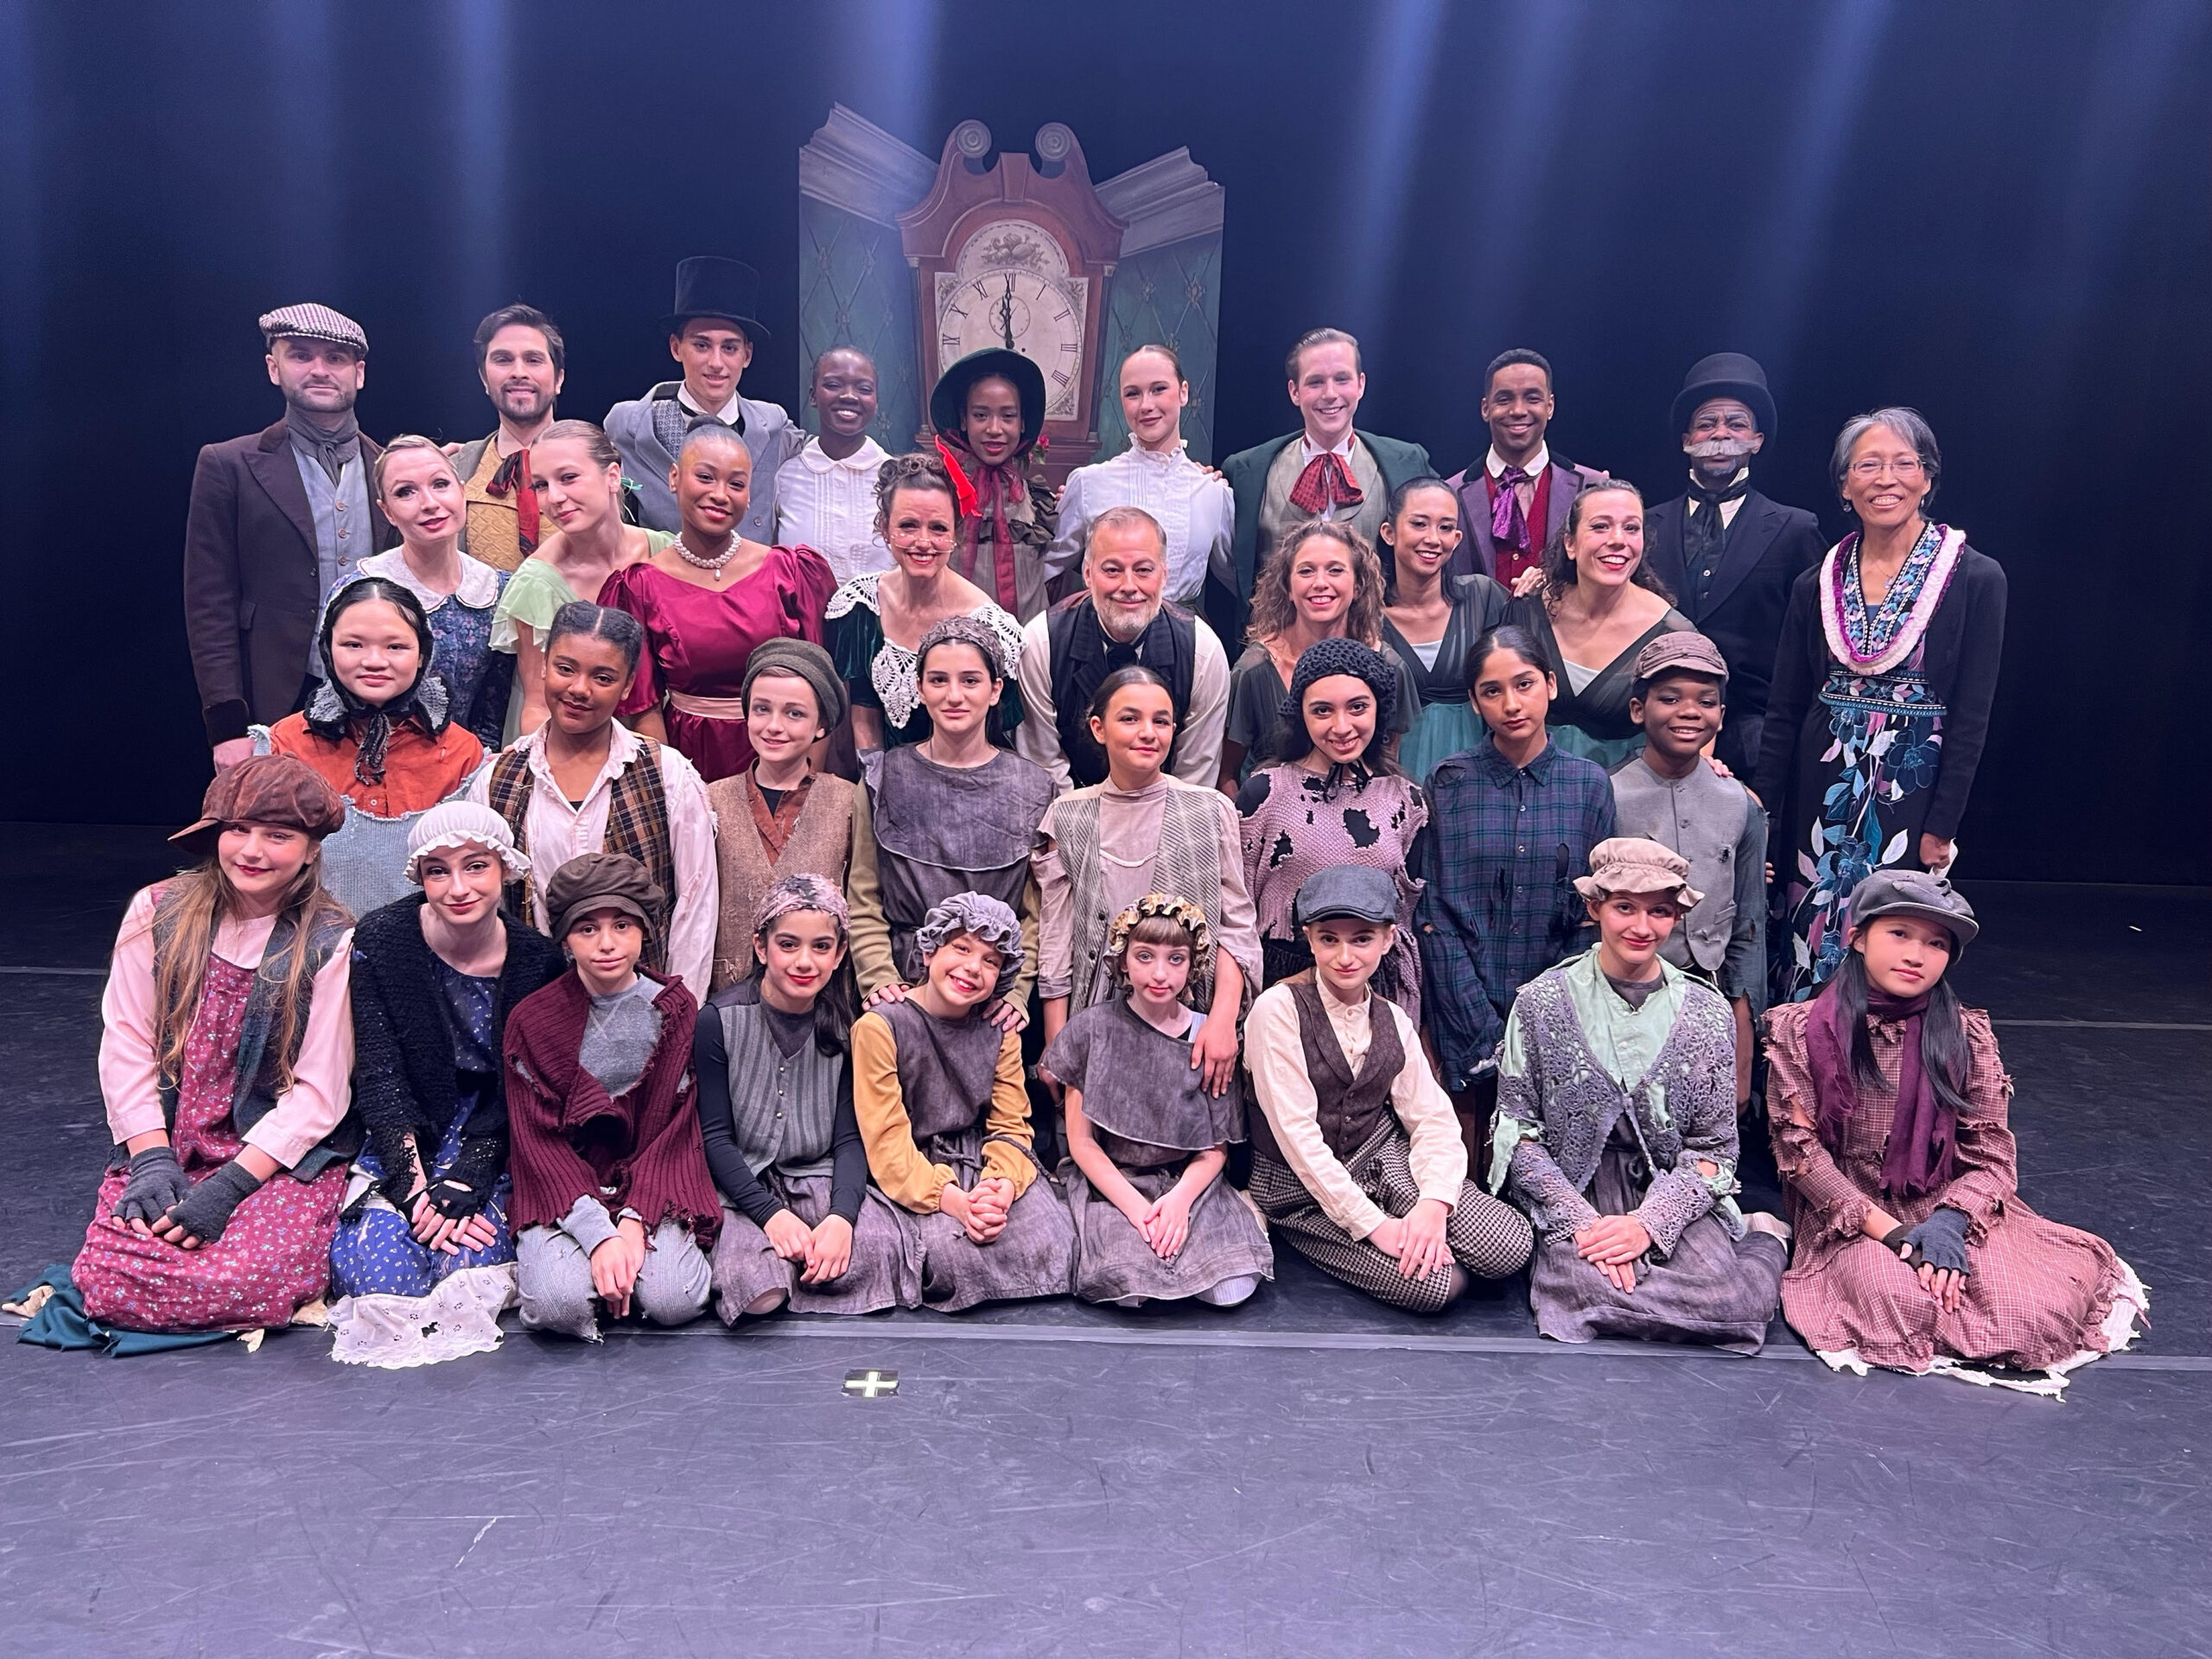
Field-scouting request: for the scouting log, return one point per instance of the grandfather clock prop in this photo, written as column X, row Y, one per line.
column 1015, row 254
column 919, row 264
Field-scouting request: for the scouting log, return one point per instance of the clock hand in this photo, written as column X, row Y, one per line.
column 1006, row 313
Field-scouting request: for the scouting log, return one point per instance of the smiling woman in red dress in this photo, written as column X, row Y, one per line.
column 706, row 601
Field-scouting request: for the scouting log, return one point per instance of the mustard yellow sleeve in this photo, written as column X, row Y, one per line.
column 870, row 934
column 1009, row 1116
column 896, row 1163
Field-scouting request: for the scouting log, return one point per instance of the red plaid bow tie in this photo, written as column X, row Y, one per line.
column 1327, row 483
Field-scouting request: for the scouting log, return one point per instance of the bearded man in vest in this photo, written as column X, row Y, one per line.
column 1119, row 619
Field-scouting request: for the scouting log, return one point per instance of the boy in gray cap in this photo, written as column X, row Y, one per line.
column 1670, row 793
column 1357, row 1160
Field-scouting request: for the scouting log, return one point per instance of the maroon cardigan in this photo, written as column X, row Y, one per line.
column 570, row 1140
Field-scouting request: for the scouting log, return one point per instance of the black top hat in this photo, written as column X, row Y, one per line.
column 949, row 398
column 1725, row 374
column 709, row 286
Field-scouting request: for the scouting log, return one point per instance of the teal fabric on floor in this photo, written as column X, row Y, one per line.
column 63, row 1323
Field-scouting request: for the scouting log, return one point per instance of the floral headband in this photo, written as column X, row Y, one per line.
column 1182, row 912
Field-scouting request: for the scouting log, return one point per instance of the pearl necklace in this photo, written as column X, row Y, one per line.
column 715, row 564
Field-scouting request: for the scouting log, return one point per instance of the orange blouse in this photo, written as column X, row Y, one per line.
column 419, row 771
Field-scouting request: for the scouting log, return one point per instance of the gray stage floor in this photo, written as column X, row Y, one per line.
column 1311, row 1475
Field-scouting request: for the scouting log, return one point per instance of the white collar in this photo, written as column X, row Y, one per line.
column 479, row 582
column 1742, row 472
column 727, row 414
column 866, row 458
column 622, row 748
column 1306, row 452
column 1165, row 457
column 1494, row 463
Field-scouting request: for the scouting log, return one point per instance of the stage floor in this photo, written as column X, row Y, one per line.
column 1311, row 1474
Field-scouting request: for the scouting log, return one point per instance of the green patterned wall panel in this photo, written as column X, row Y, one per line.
column 1172, row 295
column 855, row 288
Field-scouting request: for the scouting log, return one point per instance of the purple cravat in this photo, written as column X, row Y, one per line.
column 1509, row 526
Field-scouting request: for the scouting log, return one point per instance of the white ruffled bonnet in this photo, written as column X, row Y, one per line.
column 456, row 823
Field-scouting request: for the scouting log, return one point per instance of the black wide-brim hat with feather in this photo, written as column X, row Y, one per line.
column 949, row 398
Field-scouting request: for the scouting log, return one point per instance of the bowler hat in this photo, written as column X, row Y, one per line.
column 708, row 285
column 1725, row 374
column 949, row 398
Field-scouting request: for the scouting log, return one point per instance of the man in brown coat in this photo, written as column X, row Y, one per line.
column 279, row 518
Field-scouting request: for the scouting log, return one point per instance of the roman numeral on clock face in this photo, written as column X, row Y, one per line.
column 1059, row 377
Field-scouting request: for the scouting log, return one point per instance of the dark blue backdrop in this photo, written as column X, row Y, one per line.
column 2001, row 214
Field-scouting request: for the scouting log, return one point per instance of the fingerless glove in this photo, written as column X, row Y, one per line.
column 207, row 1210
column 1941, row 1241
column 155, row 1182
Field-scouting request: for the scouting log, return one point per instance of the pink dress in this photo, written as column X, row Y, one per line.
column 697, row 642
column 2037, row 1294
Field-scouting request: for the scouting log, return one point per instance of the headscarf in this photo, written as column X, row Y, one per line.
column 988, row 919
column 334, row 710
column 805, row 891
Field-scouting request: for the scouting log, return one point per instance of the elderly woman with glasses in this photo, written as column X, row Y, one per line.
column 1881, row 702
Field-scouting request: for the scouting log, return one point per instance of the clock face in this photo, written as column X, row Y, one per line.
column 1011, row 283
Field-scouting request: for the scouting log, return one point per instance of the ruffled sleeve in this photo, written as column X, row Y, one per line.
column 625, row 591
column 533, row 594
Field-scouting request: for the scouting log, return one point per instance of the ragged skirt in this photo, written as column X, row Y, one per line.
column 1034, row 1256
column 1713, row 1289
column 1113, row 1263
column 747, row 1267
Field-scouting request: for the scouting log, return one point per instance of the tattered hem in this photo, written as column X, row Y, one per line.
column 459, row 1317
column 2130, row 1301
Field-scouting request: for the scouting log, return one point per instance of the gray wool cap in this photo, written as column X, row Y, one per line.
column 1359, row 890
column 1915, row 893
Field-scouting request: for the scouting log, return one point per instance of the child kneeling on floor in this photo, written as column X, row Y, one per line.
column 613, row 1202
column 1152, row 1218
column 1356, row 1156
column 938, row 1091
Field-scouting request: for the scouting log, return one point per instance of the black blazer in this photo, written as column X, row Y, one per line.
column 1767, row 548
column 1960, row 654
column 251, row 586
column 403, row 1050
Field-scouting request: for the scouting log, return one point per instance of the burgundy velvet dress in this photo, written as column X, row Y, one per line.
column 697, row 642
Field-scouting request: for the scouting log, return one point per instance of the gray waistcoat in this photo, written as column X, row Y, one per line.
column 783, row 1107
column 342, row 536
column 1186, row 861
column 1701, row 817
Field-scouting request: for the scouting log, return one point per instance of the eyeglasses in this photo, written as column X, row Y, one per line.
column 1872, row 468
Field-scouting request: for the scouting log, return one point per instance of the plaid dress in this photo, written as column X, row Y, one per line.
column 2037, row 1294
